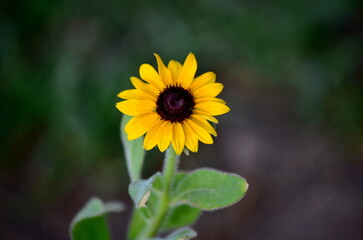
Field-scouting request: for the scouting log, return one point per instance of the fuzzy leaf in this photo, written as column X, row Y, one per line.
column 134, row 152
column 209, row 189
column 90, row 222
column 140, row 190
column 180, row 216
column 140, row 216
column 180, row 234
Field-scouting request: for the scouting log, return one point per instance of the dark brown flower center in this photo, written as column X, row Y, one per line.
column 175, row 104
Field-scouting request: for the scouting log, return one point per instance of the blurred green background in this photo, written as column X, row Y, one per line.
column 293, row 76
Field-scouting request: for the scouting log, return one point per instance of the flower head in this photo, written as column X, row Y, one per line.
column 171, row 106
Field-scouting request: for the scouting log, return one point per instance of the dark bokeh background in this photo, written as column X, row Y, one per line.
column 293, row 76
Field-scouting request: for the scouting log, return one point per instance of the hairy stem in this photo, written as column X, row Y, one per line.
column 169, row 169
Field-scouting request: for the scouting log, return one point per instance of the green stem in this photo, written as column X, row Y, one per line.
column 169, row 169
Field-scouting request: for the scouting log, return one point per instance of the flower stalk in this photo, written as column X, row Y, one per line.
column 171, row 161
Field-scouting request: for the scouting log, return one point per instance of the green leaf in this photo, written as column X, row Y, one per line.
column 140, row 190
column 90, row 222
column 134, row 152
column 177, row 216
column 141, row 216
column 180, row 216
column 209, row 189
column 180, row 234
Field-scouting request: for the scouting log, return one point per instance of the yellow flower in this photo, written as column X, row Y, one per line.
column 171, row 106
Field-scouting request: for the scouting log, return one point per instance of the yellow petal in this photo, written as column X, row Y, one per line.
column 163, row 71
column 151, row 137
column 209, row 90
column 165, row 135
column 139, row 125
column 135, row 94
column 135, row 107
column 188, row 71
column 212, row 108
column 149, row 74
column 142, row 86
column 199, row 120
column 204, row 79
column 178, row 140
column 174, row 68
column 209, row 99
column 207, row 117
column 191, row 139
column 201, row 133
